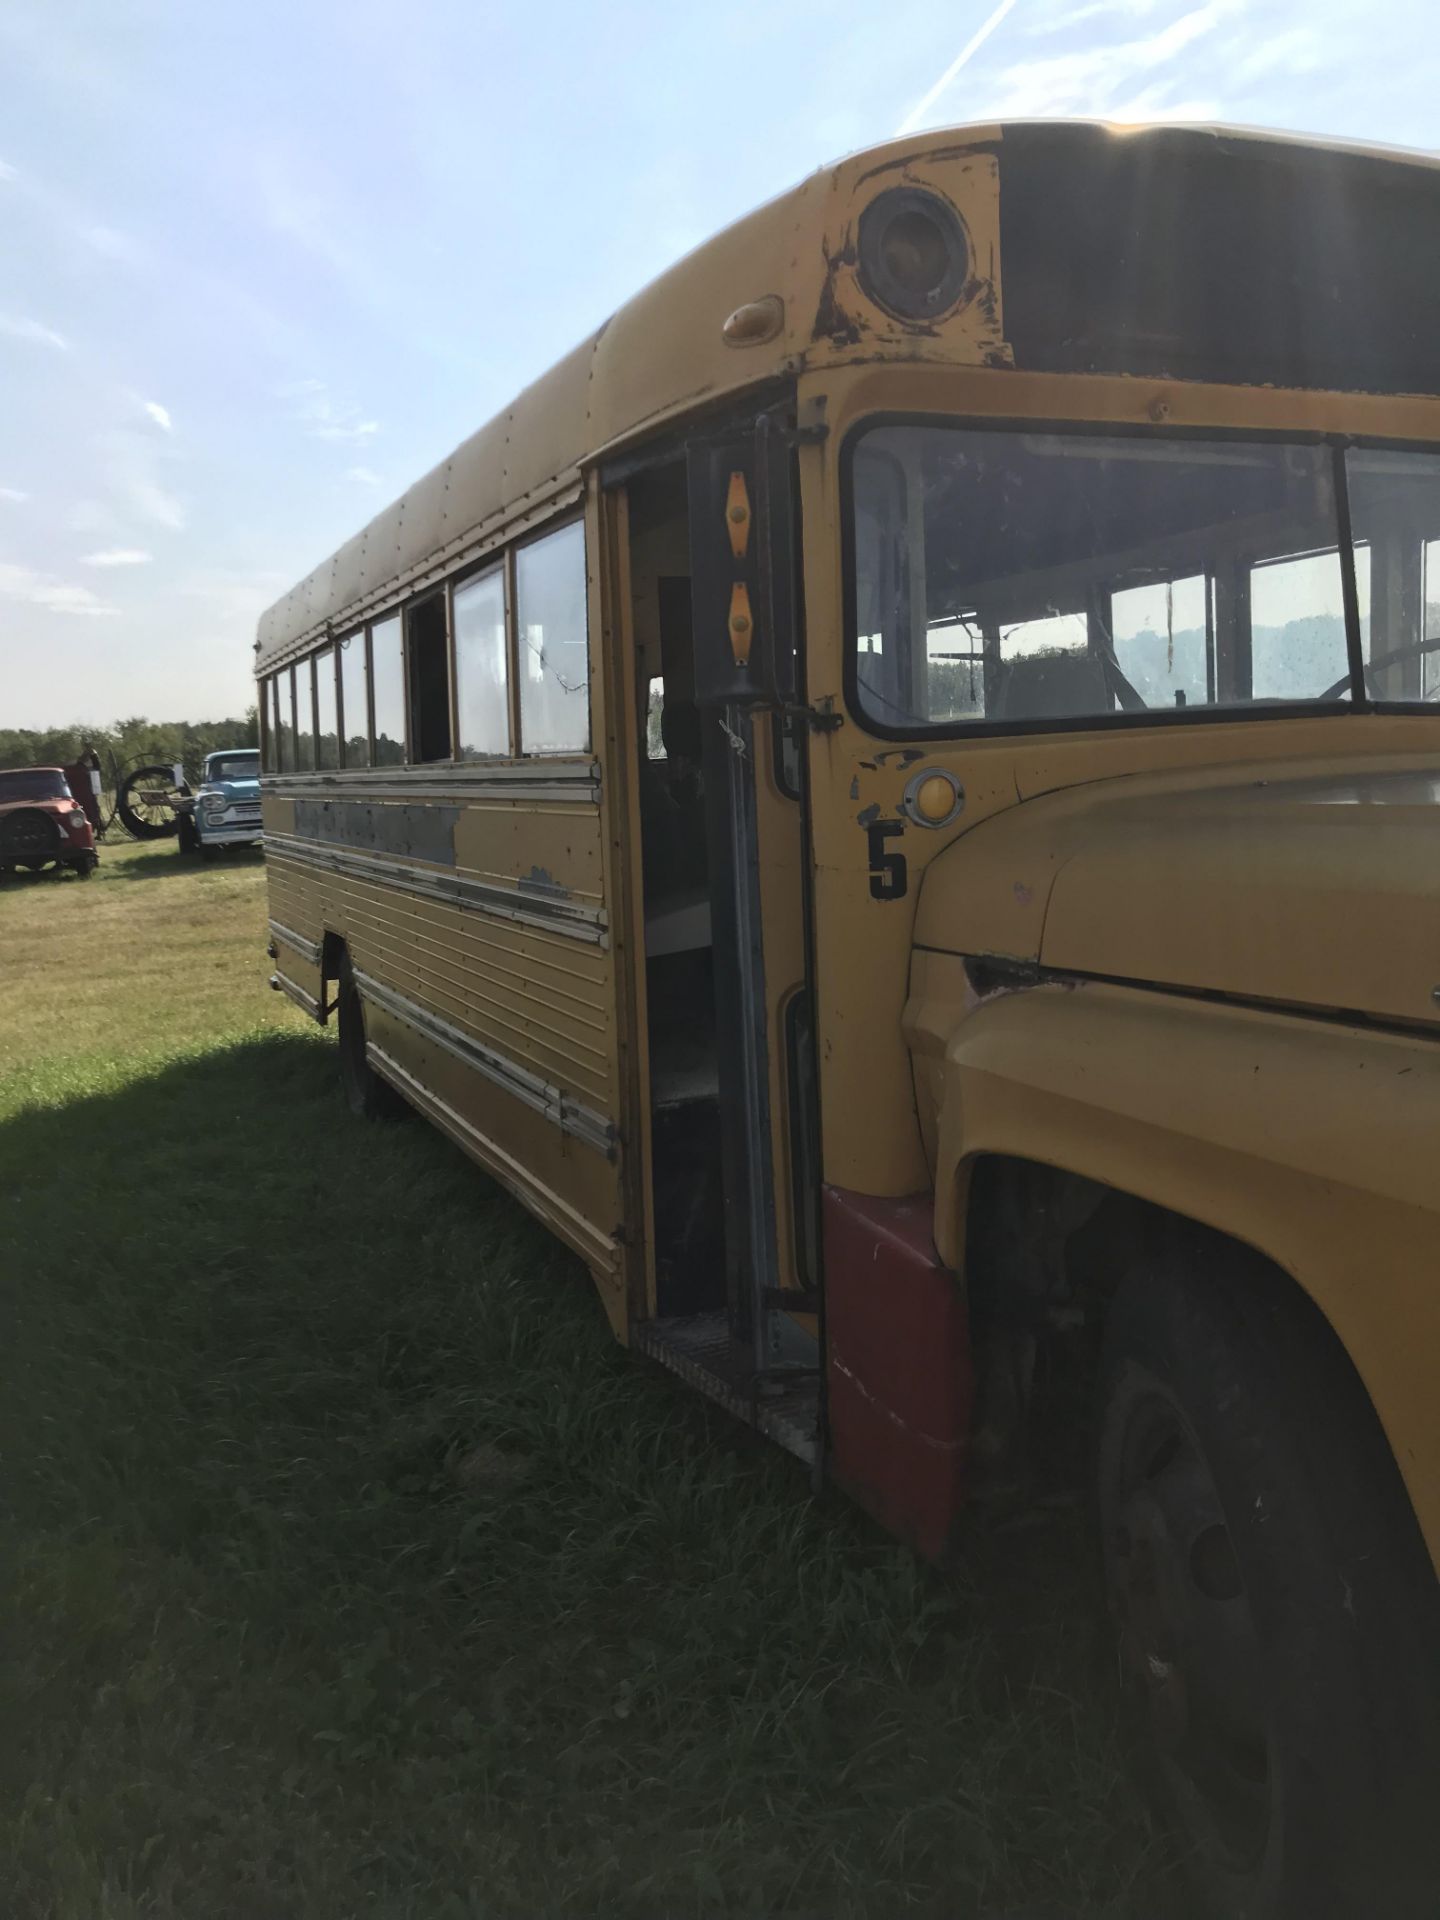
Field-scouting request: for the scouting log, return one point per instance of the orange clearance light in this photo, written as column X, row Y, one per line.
column 933, row 797
column 742, row 628
column 754, row 323
column 737, row 514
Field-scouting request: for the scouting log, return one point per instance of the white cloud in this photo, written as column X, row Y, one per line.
column 1297, row 51
column 235, row 598
column 972, row 46
column 320, row 417
column 19, row 327
column 14, row 496
column 134, row 464
column 1092, row 10
column 160, row 415
column 152, row 502
column 119, row 557
column 110, row 243
column 55, row 596
column 1103, row 79
column 363, row 476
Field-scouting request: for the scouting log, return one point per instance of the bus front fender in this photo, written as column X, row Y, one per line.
column 1308, row 1139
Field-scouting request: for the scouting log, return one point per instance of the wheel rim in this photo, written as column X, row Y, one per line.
column 1188, row 1647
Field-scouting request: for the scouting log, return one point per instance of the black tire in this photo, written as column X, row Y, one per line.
column 366, row 1094
column 189, row 838
column 82, row 869
column 1277, row 1615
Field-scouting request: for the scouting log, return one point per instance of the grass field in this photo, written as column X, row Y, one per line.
column 351, row 1570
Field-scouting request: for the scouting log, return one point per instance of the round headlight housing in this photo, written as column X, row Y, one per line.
column 914, row 257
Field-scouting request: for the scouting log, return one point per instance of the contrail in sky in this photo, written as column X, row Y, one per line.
column 973, row 45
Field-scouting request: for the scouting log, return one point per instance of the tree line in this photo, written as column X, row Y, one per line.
column 127, row 743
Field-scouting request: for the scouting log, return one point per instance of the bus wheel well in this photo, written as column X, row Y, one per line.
column 1045, row 1251
column 332, row 951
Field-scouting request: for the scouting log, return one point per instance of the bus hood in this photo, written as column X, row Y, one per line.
column 1316, row 889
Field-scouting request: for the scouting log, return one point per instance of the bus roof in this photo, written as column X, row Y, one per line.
column 1168, row 241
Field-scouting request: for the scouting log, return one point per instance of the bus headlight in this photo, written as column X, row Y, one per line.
column 914, row 257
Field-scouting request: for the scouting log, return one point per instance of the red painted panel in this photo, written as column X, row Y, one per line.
column 898, row 1365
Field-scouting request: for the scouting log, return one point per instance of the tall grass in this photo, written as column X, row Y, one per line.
column 352, row 1570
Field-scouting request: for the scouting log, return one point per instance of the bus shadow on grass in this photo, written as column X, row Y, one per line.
column 347, row 1535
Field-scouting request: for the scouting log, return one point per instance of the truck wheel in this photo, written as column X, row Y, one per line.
column 365, row 1092
column 189, row 838
column 1277, row 1616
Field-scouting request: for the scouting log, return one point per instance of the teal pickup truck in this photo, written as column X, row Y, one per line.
column 225, row 810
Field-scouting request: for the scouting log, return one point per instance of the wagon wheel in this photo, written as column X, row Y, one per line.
column 144, row 803
column 30, row 837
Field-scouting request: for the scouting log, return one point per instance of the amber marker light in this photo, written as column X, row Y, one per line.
column 754, row 323
column 742, row 628
column 933, row 798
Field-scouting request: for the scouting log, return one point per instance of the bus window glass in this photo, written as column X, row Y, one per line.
column 355, row 700
column 304, row 716
column 327, row 723
column 1162, row 640
column 481, row 668
column 387, row 672
column 553, row 651
column 1023, row 578
column 1395, row 509
column 271, row 735
column 285, row 722
column 1297, row 627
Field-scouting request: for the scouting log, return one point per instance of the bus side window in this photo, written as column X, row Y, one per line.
column 387, row 690
column 305, row 717
column 270, row 732
column 427, row 656
column 553, row 650
column 482, row 679
column 327, row 720
column 355, row 700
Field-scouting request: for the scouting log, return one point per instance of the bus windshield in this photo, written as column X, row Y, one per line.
column 1032, row 578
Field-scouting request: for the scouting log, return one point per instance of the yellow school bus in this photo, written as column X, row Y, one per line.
column 891, row 798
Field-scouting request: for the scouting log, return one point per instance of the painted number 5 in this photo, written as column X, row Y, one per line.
column 889, row 876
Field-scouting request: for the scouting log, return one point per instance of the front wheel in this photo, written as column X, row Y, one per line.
column 1275, row 1611
column 365, row 1092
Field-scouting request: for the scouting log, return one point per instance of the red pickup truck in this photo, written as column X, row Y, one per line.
column 42, row 824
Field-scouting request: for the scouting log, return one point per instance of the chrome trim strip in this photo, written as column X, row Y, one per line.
column 567, row 1113
column 307, row 949
column 305, row 1001
column 551, row 913
column 539, row 779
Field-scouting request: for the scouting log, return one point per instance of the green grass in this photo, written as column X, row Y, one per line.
column 350, row 1569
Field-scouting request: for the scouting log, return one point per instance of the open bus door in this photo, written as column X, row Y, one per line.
column 713, row 611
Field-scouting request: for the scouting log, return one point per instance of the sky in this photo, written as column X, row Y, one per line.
column 262, row 265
